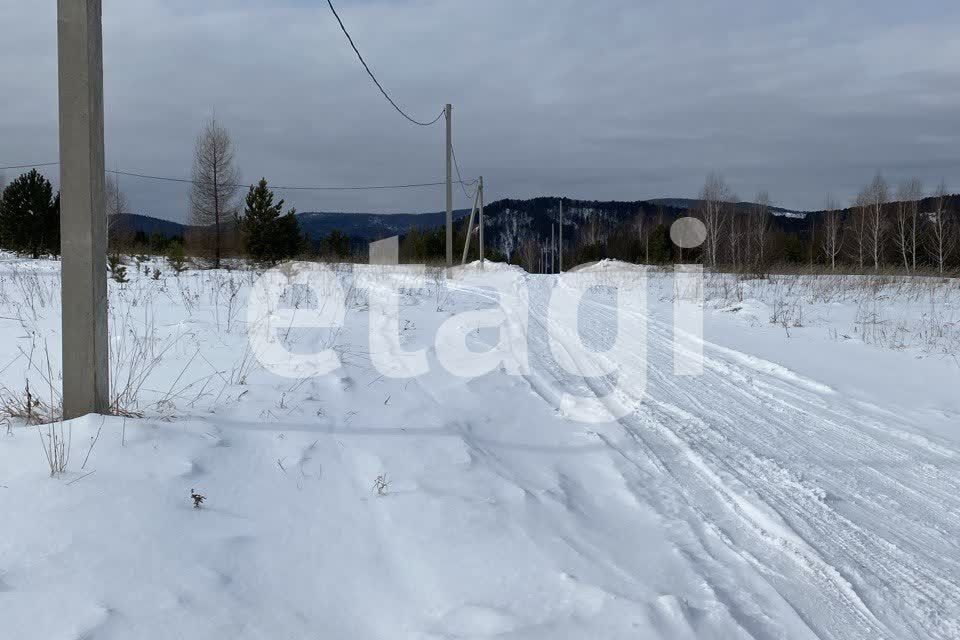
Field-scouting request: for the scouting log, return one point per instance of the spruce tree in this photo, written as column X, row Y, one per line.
column 336, row 245
column 271, row 235
column 30, row 216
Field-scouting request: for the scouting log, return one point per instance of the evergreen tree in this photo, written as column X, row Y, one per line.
column 271, row 235
column 661, row 247
column 158, row 242
column 336, row 245
column 30, row 216
column 176, row 257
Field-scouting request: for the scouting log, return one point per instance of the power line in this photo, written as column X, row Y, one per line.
column 30, row 166
column 145, row 176
column 164, row 178
column 463, row 185
column 363, row 188
column 373, row 77
column 291, row 188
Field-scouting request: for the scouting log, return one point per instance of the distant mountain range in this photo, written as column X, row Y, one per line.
column 371, row 226
column 315, row 224
column 692, row 203
column 509, row 222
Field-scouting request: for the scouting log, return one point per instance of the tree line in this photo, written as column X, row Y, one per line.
column 904, row 227
column 885, row 226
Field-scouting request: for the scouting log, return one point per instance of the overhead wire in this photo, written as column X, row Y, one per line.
column 131, row 174
column 374, row 78
column 30, row 166
column 460, row 180
column 463, row 183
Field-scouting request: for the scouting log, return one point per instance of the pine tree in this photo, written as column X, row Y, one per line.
column 176, row 257
column 271, row 235
column 336, row 245
column 30, row 216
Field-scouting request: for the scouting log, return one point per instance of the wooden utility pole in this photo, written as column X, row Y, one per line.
column 83, row 221
column 449, row 113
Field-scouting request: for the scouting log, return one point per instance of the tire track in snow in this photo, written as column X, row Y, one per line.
column 761, row 522
column 729, row 425
column 756, row 436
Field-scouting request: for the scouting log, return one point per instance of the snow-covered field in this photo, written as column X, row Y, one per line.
column 807, row 485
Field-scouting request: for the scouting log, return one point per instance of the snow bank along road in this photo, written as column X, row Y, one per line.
column 750, row 502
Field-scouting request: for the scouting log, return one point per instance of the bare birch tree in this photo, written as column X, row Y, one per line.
column 215, row 185
column 914, row 195
column 714, row 199
column 759, row 225
column 590, row 233
column 942, row 237
column 737, row 230
column 116, row 204
column 530, row 253
column 832, row 239
column 858, row 228
column 906, row 223
column 877, row 195
column 643, row 235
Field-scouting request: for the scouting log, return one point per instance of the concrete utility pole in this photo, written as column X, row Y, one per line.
column 480, row 186
column 83, row 222
column 560, row 270
column 473, row 212
column 449, row 114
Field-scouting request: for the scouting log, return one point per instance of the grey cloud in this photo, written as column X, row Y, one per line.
column 612, row 99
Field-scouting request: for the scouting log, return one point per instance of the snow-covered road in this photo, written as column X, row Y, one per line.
column 787, row 500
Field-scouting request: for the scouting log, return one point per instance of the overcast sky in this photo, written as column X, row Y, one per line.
column 606, row 99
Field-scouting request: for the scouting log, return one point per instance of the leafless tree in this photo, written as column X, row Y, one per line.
column 907, row 221
column 714, row 200
column 858, row 228
column 832, row 238
column 116, row 204
column 915, row 195
column 591, row 233
column 215, row 185
column 530, row 254
column 660, row 218
column 510, row 236
column 640, row 223
column 877, row 195
column 759, row 225
column 738, row 229
column 942, row 236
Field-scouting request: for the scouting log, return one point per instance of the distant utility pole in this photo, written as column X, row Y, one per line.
column 480, row 186
column 560, row 270
column 449, row 113
column 477, row 200
column 473, row 212
column 83, row 222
